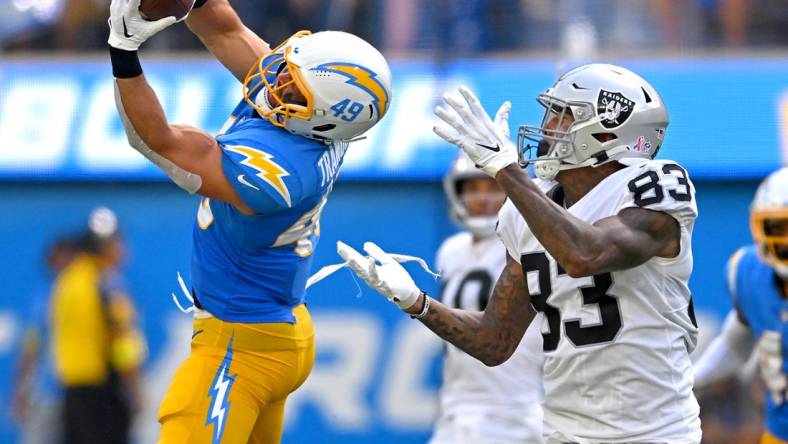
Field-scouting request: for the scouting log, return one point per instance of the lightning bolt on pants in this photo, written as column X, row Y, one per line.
column 233, row 387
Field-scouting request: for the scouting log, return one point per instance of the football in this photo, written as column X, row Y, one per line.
column 158, row 9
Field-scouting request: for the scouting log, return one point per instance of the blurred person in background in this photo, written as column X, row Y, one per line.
column 36, row 397
column 726, row 22
column 758, row 285
column 467, row 27
column 479, row 404
column 744, row 23
column 265, row 180
column 282, row 19
column 97, row 347
column 452, row 28
column 730, row 410
column 81, row 24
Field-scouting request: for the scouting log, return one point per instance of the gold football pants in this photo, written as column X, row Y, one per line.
column 233, row 387
column 768, row 438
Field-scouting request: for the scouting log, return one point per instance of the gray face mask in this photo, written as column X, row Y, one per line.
column 481, row 226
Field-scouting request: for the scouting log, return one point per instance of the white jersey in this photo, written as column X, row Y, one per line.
column 617, row 345
column 490, row 404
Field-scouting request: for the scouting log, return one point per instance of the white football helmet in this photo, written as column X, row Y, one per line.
column 345, row 80
column 103, row 223
column 462, row 169
column 616, row 115
column 769, row 220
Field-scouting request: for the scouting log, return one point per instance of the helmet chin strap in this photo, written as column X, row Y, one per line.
column 548, row 169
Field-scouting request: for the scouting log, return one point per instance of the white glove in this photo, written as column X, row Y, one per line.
column 770, row 357
column 127, row 29
column 389, row 278
column 486, row 142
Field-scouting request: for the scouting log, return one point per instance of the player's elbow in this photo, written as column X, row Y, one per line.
column 598, row 260
column 164, row 141
column 494, row 356
column 579, row 266
column 495, row 360
column 583, row 266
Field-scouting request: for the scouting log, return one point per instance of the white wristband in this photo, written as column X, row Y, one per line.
column 424, row 309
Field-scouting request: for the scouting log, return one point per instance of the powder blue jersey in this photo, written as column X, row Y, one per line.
column 254, row 268
column 759, row 302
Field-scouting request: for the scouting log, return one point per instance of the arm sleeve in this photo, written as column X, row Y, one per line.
column 188, row 181
column 726, row 354
column 732, row 275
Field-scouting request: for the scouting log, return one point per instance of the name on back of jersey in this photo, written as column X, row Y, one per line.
column 329, row 162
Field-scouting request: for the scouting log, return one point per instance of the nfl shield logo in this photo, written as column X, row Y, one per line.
column 613, row 108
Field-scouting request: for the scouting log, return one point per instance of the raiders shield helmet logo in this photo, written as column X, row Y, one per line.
column 613, row 108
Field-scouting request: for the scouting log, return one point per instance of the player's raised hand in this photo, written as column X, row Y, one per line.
column 127, row 29
column 502, row 118
column 389, row 278
column 485, row 141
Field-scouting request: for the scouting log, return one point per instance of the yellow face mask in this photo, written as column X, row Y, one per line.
column 770, row 232
column 263, row 78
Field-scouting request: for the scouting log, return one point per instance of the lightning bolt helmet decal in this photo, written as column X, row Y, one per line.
column 363, row 78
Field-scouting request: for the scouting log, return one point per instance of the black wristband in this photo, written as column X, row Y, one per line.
column 125, row 64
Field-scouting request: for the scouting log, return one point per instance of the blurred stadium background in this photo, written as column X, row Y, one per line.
column 720, row 65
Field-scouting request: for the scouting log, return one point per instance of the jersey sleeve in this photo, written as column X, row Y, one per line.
column 265, row 180
column 732, row 271
column 662, row 186
column 510, row 225
column 440, row 258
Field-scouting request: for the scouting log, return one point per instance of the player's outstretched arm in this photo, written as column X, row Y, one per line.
column 490, row 336
column 493, row 335
column 181, row 151
column 726, row 354
column 220, row 29
column 625, row 240
column 191, row 157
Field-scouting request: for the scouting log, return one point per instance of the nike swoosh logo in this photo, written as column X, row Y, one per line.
column 243, row 180
column 125, row 30
column 495, row 148
column 196, row 333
